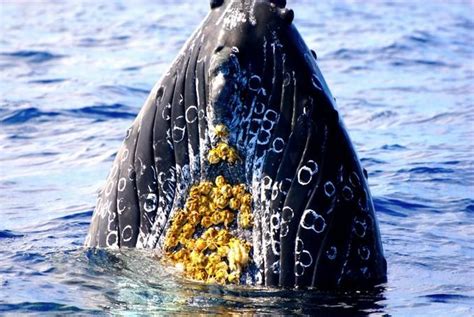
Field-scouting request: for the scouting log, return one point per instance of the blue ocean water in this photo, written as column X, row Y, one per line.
column 75, row 74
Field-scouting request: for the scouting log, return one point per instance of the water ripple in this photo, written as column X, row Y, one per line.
column 104, row 112
column 47, row 81
column 8, row 234
column 74, row 76
column 449, row 298
column 31, row 307
column 398, row 207
column 96, row 112
column 31, row 56
column 25, row 115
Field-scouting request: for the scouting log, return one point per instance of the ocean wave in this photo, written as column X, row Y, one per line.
column 427, row 170
column 31, row 56
column 96, row 112
column 38, row 307
column 443, row 117
column 393, row 147
column 382, row 115
column 8, row 234
column 448, row 298
column 74, row 77
column 78, row 215
column 27, row 114
column 125, row 90
column 401, row 61
column 47, row 81
column 347, row 54
column 398, row 207
column 103, row 112
column 422, row 37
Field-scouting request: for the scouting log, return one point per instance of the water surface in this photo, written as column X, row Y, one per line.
column 74, row 75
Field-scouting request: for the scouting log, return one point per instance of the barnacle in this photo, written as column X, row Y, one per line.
column 221, row 276
column 221, row 202
column 223, row 149
column 245, row 209
column 213, row 156
column 217, row 218
column 220, row 181
column 238, row 255
column 246, row 199
column 200, row 244
column 223, row 250
column 206, row 222
column 233, row 277
column 234, row 203
column 245, row 220
column 210, row 233
column 238, row 190
column 205, row 188
column 200, row 241
column 228, row 218
column 226, row 190
column 232, row 157
column 221, row 131
column 222, row 152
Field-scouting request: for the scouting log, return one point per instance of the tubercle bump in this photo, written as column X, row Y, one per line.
column 216, row 3
column 279, row 3
column 287, row 15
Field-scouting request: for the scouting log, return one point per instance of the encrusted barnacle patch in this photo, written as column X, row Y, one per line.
column 222, row 151
column 202, row 239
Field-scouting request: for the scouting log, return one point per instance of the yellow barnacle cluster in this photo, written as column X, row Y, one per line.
column 221, row 131
column 200, row 240
column 222, row 152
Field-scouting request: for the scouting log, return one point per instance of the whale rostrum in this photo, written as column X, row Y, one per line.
column 238, row 168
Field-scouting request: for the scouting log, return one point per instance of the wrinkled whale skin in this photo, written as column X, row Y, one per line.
column 248, row 68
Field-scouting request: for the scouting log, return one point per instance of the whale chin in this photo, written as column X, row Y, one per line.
column 239, row 169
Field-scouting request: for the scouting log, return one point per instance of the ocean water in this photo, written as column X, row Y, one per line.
column 73, row 75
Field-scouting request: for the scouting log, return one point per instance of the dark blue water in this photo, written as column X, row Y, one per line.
column 74, row 75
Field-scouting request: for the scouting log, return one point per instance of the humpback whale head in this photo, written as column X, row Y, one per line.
column 238, row 167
